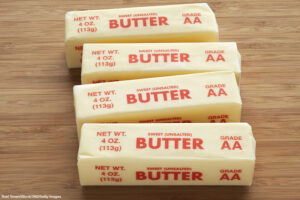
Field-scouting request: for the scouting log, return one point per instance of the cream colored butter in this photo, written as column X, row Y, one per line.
column 172, row 23
column 166, row 154
column 202, row 97
column 111, row 62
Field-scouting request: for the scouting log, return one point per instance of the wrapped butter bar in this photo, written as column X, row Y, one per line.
column 201, row 97
column 166, row 154
column 114, row 62
column 172, row 23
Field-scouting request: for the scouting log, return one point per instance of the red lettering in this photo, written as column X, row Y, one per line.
column 166, row 57
column 226, row 145
column 197, row 20
column 184, row 57
column 153, row 21
column 236, row 145
column 155, row 57
column 163, row 21
column 185, row 94
column 185, row 176
column 236, row 176
column 197, row 176
column 187, row 20
column 151, row 177
column 167, row 141
column 197, row 143
column 155, row 95
column 140, row 95
column 174, row 57
column 224, row 176
column 168, row 175
column 133, row 58
column 113, row 23
column 174, row 94
column 122, row 23
column 135, row 22
column 141, row 143
column 78, row 48
column 223, row 121
column 210, row 58
column 176, row 175
column 131, row 99
column 222, row 92
column 140, row 175
column 186, row 143
column 165, row 96
column 158, row 143
column 220, row 57
column 143, row 60
column 211, row 92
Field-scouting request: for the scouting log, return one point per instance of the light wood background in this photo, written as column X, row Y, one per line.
column 38, row 140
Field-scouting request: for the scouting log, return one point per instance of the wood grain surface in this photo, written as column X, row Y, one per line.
column 38, row 140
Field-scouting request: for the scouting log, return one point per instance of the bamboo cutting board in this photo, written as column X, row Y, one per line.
column 38, row 140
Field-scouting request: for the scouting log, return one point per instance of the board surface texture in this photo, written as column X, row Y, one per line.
column 38, row 139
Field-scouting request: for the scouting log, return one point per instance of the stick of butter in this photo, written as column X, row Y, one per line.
column 114, row 62
column 166, row 154
column 201, row 97
column 172, row 23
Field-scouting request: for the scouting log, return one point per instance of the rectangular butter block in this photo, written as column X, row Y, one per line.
column 201, row 97
column 166, row 154
column 172, row 23
column 114, row 62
